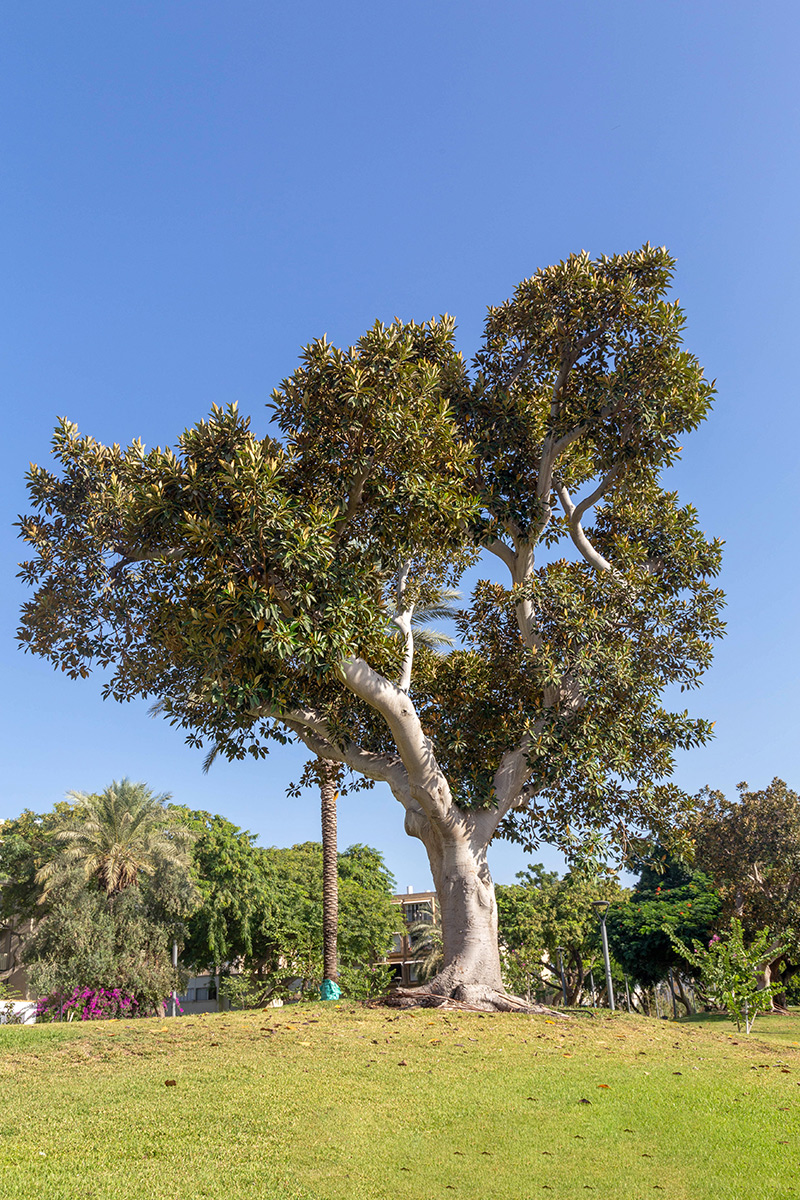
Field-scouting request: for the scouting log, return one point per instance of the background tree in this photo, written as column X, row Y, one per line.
column 543, row 912
column 751, row 847
column 116, row 837
column 288, row 940
column 107, row 878
column 262, row 907
column 235, row 890
column 27, row 843
column 669, row 900
column 248, row 583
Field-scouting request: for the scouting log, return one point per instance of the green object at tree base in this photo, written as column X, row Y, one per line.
column 329, row 990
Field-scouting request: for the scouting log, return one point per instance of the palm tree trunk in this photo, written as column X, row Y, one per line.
column 330, row 870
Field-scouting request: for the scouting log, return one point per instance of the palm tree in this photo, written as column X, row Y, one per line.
column 328, row 774
column 117, row 836
column 427, row 946
column 441, row 607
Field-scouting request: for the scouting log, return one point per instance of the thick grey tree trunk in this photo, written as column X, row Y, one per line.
column 471, row 972
column 469, row 917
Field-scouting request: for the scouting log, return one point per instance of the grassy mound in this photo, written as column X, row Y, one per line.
column 317, row 1101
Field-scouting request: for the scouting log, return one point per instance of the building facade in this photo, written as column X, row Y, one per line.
column 412, row 907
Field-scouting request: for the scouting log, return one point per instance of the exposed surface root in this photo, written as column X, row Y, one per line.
column 467, row 998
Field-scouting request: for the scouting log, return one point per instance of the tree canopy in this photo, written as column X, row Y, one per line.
column 750, row 845
column 262, row 588
column 669, row 897
column 543, row 912
column 261, row 907
column 107, row 880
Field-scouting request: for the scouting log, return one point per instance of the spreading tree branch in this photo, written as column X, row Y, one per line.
column 402, row 619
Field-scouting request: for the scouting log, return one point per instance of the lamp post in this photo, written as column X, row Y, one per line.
column 174, row 997
column 560, row 953
column 601, row 907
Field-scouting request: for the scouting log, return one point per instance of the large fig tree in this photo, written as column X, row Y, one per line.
column 261, row 589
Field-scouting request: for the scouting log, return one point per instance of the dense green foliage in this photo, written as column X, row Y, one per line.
column 262, row 907
column 107, row 880
column 675, row 901
column 751, row 848
column 88, row 940
column 236, row 904
column 233, row 886
column 27, row 844
column 543, row 912
column 236, row 578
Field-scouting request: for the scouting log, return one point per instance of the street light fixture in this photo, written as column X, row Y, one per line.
column 601, row 907
column 560, row 952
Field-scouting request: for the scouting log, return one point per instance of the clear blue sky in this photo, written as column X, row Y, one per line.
column 191, row 191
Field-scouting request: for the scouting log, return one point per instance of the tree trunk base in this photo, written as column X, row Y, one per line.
column 467, row 998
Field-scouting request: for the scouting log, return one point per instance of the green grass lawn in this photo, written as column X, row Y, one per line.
column 326, row 1102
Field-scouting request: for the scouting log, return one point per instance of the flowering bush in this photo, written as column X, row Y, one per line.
column 87, row 1004
column 730, row 972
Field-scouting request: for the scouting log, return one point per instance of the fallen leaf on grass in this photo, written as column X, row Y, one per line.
column 402, row 1063
column 677, row 1072
column 604, row 1085
column 170, row 1083
column 584, row 1101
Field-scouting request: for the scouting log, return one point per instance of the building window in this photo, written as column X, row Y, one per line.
column 419, row 911
column 6, row 957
